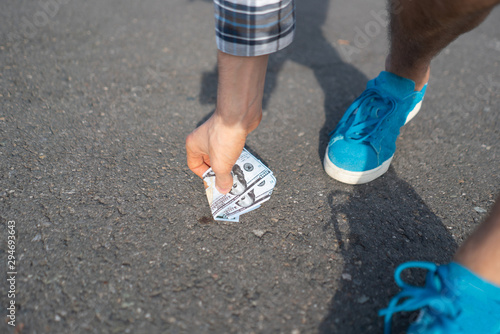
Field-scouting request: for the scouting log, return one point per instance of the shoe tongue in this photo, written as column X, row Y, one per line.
column 394, row 84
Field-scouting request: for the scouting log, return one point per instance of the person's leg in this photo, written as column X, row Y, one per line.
column 419, row 30
column 363, row 144
column 460, row 297
column 481, row 251
column 464, row 295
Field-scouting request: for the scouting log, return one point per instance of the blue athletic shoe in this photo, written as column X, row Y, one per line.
column 454, row 300
column 363, row 143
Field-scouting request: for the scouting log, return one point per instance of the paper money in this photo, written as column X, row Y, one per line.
column 253, row 184
column 260, row 193
column 225, row 218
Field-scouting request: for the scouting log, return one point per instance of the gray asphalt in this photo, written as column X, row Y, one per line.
column 114, row 232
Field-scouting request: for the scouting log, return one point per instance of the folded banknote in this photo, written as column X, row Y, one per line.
column 253, row 184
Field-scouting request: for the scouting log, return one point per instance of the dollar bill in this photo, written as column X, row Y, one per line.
column 247, row 172
column 253, row 183
column 255, row 196
column 233, row 219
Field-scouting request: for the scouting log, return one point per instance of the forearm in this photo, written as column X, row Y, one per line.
column 240, row 90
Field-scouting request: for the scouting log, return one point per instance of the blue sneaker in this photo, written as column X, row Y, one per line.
column 363, row 143
column 454, row 300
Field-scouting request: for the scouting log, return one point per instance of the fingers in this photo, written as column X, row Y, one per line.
column 197, row 168
column 218, row 146
column 223, row 182
column 223, row 161
column 199, row 164
column 197, row 161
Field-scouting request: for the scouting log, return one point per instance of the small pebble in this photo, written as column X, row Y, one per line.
column 363, row 299
column 347, row 277
column 259, row 233
column 480, row 209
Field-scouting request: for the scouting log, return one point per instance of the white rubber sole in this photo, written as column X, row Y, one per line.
column 350, row 177
column 414, row 112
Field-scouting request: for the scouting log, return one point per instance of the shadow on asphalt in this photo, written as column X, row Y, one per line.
column 378, row 226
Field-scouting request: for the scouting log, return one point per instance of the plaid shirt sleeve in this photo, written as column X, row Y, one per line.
column 254, row 27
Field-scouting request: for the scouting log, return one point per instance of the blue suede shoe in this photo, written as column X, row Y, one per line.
column 453, row 301
column 362, row 145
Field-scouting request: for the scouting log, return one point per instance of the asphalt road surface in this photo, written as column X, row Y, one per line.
column 113, row 231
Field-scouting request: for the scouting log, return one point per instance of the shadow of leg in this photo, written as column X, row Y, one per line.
column 379, row 226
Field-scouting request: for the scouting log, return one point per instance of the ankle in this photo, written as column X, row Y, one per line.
column 485, row 273
column 418, row 74
column 482, row 262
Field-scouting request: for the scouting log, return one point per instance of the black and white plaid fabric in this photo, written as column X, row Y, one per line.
column 254, row 27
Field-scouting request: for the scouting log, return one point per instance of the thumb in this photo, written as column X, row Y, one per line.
column 223, row 182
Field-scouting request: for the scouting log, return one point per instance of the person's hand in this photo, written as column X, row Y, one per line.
column 218, row 142
column 217, row 145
